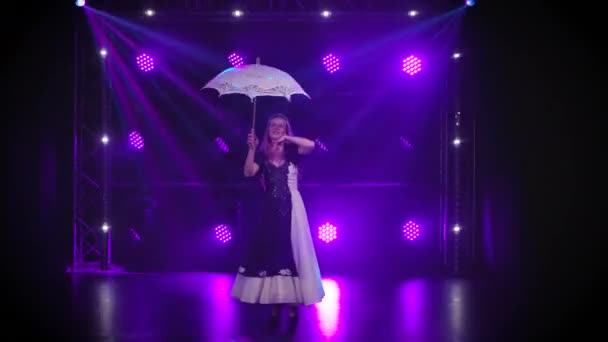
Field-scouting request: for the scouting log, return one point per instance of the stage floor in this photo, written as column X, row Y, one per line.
column 197, row 307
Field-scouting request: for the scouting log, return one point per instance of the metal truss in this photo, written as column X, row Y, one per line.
column 458, row 228
column 90, row 167
column 269, row 6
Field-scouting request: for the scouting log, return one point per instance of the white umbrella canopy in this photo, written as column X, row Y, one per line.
column 254, row 80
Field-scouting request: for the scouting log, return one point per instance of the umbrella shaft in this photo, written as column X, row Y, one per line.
column 254, row 110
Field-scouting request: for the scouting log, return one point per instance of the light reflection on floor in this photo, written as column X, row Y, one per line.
column 198, row 306
column 328, row 311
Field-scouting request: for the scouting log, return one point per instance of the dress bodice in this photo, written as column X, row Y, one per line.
column 278, row 181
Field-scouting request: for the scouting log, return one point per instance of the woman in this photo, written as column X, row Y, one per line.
column 280, row 266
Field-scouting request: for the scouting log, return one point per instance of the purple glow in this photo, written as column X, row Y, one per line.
column 235, row 60
column 221, row 144
column 136, row 140
column 406, row 143
column 222, row 233
column 134, row 235
column 412, row 65
column 411, row 230
column 145, row 62
column 328, row 311
column 413, row 301
column 320, row 145
column 328, row 232
column 331, row 63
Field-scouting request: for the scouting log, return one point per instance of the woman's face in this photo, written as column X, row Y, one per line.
column 277, row 128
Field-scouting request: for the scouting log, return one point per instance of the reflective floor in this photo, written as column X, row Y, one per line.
column 197, row 307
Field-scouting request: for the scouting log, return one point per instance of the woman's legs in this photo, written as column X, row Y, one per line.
column 274, row 316
column 293, row 310
column 276, row 310
column 293, row 318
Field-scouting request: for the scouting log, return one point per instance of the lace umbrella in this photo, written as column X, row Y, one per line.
column 254, row 80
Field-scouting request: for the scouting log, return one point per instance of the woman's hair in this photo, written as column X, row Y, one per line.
column 265, row 141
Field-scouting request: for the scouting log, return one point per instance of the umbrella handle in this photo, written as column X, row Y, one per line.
column 257, row 61
column 254, row 110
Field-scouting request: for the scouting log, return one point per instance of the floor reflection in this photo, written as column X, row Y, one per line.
column 222, row 307
column 105, row 301
column 328, row 311
column 456, row 304
column 413, row 301
column 198, row 307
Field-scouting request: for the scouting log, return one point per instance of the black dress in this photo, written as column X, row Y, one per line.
column 279, row 263
column 268, row 251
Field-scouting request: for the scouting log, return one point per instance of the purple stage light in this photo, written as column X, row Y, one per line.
column 408, row 145
column 145, row 62
column 320, row 145
column 411, row 230
column 134, row 234
column 222, row 233
column 136, row 140
column 221, row 144
column 331, row 63
column 412, row 65
column 235, row 60
column 328, row 232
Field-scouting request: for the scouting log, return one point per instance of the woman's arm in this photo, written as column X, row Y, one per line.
column 305, row 146
column 251, row 167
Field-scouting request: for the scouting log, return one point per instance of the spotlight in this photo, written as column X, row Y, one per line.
column 136, row 140
column 134, row 234
column 412, row 13
column 406, row 143
column 456, row 229
column 328, row 232
column 105, row 228
column 456, row 142
column 103, row 52
column 331, row 63
column 235, row 60
column 456, row 55
column 80, row 3
column 326, row 14
column 237, row 13
column 320, row 145
column 412, row 65
column 411, row 230
column 221, row 144
column 105, row 139
column 470, row 3
column 145, row 62
column 222, row 233
column 149, row 12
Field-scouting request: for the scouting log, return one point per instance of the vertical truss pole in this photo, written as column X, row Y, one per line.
column 76, row 252
column 107, row 227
